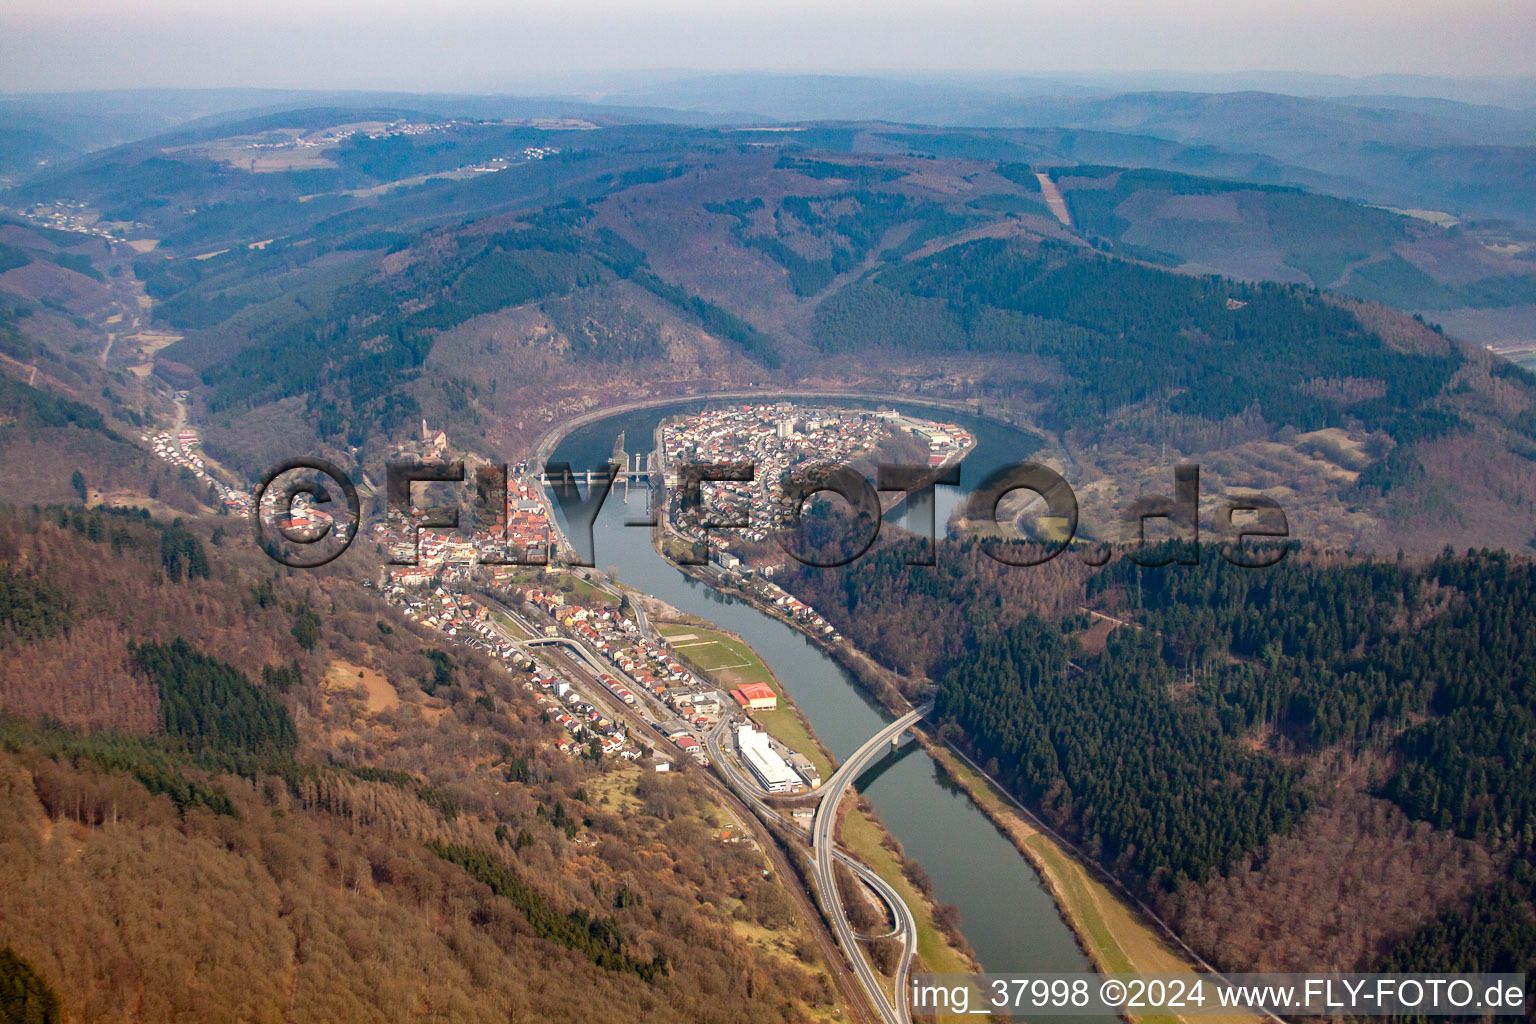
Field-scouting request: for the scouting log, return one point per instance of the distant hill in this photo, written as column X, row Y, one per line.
column 331, row 275
column 1463, row 146
column 46, row 129
column 798, row 96
column 1469, row 158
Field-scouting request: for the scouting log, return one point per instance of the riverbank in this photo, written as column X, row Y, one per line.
column 555, row 434
column 1008, row 916
column 862, row 834
column 1117, row 935
column 728, row 660
column 877, row 681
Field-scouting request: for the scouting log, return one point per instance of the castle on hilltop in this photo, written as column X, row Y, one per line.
column 437, row 440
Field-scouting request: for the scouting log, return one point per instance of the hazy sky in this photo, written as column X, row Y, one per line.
column 482, row 45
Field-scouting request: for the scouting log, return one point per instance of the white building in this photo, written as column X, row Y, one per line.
column 771, row 770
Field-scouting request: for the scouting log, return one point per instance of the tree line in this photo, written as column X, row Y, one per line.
column 1110, row 758
column 209, row 703
column 598, row 938
column 1431, row 664
column 1122, row 333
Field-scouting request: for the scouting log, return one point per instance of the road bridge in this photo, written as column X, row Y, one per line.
column 824, row 853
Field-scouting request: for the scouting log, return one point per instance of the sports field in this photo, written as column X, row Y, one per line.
column 730, row 662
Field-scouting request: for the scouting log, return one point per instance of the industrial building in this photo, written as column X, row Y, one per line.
column 805, row 769
column 775, row 775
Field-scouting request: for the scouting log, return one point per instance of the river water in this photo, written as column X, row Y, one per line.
column 1005, row 912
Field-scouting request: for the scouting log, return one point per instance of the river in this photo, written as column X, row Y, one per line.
column 1006, row 913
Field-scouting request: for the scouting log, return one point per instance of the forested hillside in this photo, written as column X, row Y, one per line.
column 1261, row 231
column 918, row 620
column 1106, row 755
column 354, row 358
column 1429, row 663
column 204, row 819
column 1248, row 734
column 1123, row 333
column 1325, row 764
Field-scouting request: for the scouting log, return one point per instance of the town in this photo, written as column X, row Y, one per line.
column 67, row 215
column 180, row 449
column 601, row 675
column 596, row 665
column 776, row 439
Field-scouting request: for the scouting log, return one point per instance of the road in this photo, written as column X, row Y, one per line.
column 590, row 669
column 581, row 663
column 647, row 710
column 824, row 853
column 641, row 619
column 904, row 928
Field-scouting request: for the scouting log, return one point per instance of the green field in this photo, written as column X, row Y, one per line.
column 584, row 592
column 730, row 662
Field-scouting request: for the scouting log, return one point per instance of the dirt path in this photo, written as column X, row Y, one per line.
column 1054, row 199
